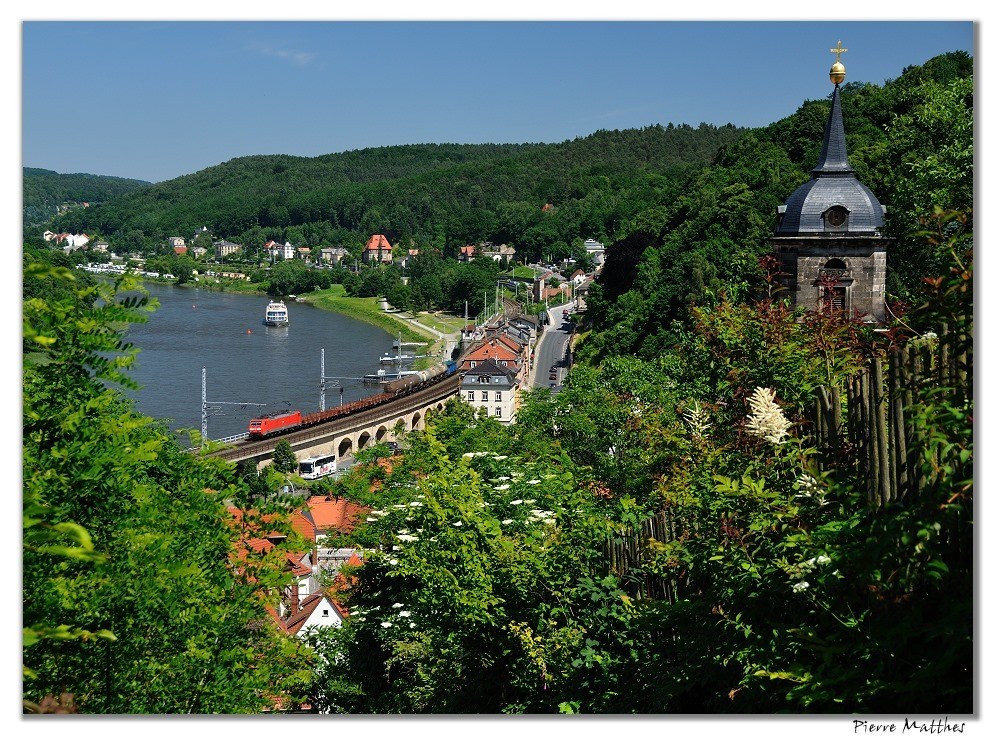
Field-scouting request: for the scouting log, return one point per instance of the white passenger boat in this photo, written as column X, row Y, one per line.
column 276, row 314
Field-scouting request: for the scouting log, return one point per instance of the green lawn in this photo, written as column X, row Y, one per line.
column 522, row 272
column 364, row 309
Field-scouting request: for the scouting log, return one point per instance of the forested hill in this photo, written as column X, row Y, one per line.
column 46, row 190
column 442, row 194
column 910, row 141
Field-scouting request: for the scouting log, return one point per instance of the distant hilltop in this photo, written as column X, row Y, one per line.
column 48, row 193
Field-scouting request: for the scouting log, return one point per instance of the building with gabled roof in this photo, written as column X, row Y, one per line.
column 493, row 388
column 377, row 250
column 497, row 253
column 316, row 611
column 333, row 255
column 333, row 516
column 491, row 349
column 224, row 248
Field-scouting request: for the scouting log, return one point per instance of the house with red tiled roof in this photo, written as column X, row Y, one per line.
column 377, row 250
column 496, row 351
column 305, row 604
column 315, row 611
column 467, row 253
column 333, row 516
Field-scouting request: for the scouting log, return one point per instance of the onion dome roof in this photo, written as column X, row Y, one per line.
column 833, row 202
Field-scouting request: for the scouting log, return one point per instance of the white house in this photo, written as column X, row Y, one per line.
column 316, row 611
column 491, row 387
column 284, row 251
column 596, row 250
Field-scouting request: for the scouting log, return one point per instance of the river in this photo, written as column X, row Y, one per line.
column 245, row 361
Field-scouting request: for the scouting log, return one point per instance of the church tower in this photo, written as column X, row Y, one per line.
column 828, row 239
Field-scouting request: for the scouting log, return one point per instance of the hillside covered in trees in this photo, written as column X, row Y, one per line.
column 690, row 525
column 45, row 190
column 910, row 141
column 445, row 195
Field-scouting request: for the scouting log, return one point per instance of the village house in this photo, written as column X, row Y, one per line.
column 411, row 254
column 333, row 255
column 306, row 603
column 198, row 252
column 304, row 253
column 467, row 253
column 225, row 248
column 71, row 242
column 501, row 253
column 377, row 250
column 493, row 388
column 499, row 349
column 284, row 251
column 176, row 241
column 100, row 246
column 596, row 250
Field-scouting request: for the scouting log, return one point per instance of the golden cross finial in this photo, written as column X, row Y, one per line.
column 838, row 51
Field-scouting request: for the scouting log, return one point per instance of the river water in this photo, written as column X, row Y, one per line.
column 245, row 361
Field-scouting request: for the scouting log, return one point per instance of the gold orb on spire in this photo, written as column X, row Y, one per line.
column 837, row 70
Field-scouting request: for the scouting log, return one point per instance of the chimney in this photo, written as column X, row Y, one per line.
column 293, row 599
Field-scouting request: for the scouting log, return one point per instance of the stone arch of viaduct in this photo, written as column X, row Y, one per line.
column 354, row 433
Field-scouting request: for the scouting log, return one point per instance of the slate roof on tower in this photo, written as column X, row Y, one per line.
column 833, row 183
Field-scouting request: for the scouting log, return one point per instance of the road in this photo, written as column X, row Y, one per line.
column 552, row 349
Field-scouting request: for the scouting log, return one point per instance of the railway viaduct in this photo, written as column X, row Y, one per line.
column 350, row 434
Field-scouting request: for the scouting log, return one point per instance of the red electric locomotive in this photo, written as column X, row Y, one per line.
column 265, row 425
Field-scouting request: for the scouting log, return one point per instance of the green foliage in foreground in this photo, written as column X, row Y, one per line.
column 134, row 599
column 486, row 589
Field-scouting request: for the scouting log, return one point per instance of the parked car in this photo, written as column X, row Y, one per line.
column 552, row 376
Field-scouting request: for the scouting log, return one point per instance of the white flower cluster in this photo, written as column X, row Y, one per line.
column 540, row 515
column 697, row 420
column 800, row 570
column 800, row 586
column 766, row 419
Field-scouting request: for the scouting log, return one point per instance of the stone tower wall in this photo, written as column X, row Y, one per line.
column 803, row 260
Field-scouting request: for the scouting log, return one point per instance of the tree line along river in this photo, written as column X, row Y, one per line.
column 246, row 362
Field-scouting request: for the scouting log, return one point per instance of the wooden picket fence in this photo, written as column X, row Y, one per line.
column 865, row 429
column 878, row 440
column 626, row 550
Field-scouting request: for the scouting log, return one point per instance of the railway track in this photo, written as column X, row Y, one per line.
column 435, row 391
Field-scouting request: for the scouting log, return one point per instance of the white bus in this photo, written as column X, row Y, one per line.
column 317, row 467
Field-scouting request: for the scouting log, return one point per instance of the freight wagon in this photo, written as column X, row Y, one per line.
column 287, row 421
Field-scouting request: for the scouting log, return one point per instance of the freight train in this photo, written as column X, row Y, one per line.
column 286, row 421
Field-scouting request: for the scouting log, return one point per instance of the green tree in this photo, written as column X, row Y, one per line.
column 164, row 616
column 284, row 458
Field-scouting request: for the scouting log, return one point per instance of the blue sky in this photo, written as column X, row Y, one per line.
column 157, row 100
